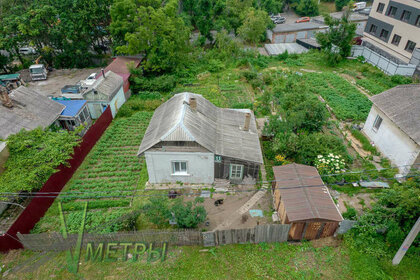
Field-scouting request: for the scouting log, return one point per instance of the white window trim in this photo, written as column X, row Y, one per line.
column 179, row 173
column 230, row 171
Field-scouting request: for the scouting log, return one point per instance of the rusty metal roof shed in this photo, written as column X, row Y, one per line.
column 305, row 196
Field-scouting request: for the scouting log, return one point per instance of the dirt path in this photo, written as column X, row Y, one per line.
column 352, row 81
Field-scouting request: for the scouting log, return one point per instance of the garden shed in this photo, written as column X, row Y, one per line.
column 302, row 200
column 75, row 114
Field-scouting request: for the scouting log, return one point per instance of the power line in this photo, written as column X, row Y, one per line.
column 180, row 194
column 267, row 181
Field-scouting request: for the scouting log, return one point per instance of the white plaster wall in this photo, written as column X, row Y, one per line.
column 117, row 101
column 391, row 141
column 200, row 167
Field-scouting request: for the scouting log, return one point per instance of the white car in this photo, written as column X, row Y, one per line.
column 89, row 80
column 27, row 50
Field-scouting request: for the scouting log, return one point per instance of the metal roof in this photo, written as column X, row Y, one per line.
column 304, row 195
column 7, row 77
column 30, row 110
column 402, row 105
column 120, row 66
column 72, row 107
column 293, row 27
column 108, row 86
column 291, row 48
column 216, row 129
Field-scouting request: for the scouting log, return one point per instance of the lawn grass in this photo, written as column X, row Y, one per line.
column 247, row 261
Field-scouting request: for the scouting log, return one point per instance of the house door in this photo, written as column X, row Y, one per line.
column 236, row 171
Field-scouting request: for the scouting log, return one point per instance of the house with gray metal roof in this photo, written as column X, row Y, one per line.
column 106, row 91
column 24, row 108
column 190, row 140
column 393, row 125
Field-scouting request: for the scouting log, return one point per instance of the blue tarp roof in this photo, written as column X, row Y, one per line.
column 72, row 107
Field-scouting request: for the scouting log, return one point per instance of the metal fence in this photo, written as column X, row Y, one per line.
column 40, row 203
column 383, row 63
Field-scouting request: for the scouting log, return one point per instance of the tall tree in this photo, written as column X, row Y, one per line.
column 336, row 42
column 254, row 26
column 161, row 35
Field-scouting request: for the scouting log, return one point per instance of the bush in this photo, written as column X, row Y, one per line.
column 146, row 95
column 137, row 103
column 163, row 83
column 350, row 214
column 189, row 214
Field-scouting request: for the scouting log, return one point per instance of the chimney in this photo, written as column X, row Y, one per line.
column 5, row 98
column 247, row 121
column 103, row 73
column 193, row 103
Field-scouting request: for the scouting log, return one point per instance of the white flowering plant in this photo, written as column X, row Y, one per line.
column 330, row 164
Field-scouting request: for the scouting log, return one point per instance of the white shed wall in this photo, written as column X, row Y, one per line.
column 200, row 167
column 391, row 141
column 117, row 101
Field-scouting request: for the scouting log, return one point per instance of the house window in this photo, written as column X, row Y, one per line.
column 377, row 123
column 418, row 21
column 179, row 167
column 384, row 34
column 236, row 171
column 410, row 46
column 406, row 16
column 82, row 117
column 373, row 29
column 380, row 8
column 392, row 11
column 396, row 40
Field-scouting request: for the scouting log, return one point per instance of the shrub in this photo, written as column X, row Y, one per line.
column 163, row 83
column 330, row 164
column 350, row 214
column 189, row 214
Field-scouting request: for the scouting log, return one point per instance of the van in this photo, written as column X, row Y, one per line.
column 27, row 50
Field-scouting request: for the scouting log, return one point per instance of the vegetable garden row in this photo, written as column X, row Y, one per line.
column 108, row 175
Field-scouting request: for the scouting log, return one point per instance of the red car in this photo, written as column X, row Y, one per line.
column 303, row 19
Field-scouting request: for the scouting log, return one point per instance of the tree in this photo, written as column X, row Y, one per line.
column 336, row 42
column 270, row 6
column 157, row 211
column 161, row 35
column 254, row 26
column 340, row 4
column 307, row 8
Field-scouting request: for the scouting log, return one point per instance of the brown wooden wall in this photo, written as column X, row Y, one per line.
column 312, row 230
column 221, row 169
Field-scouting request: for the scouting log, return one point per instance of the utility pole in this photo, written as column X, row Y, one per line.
column 407, row 243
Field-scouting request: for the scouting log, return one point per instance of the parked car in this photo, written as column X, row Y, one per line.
column 27, row 50
column 365, row 11
column 278, row 19
column 359, row 6
column 303, row 19
column 89, row 80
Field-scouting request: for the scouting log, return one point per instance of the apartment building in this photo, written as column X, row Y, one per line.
column 393, row 30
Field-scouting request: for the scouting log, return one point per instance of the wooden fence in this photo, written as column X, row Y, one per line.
column 55, row 242
column 264, row 233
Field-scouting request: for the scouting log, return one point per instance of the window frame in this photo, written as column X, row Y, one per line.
column 417, row 23
column 377, row 123
column 180, row 171
column 403, row 16
column 235, row 172
column 382, row 6
column 371, row 27
column 408, row 43
column 393, row 40
column 383, row 31
column 392, row 8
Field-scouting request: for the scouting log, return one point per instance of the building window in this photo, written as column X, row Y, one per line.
column 377, row 123
column 406, row 16
column 396, row 40
column 380, row 8
column 410, row 46
column 384, row 34
column 236, row 171
column 418, row 21
column 373, row 29
column 179, row 167
column 392, row 11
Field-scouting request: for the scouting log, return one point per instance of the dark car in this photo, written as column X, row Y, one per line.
column 278, row 19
